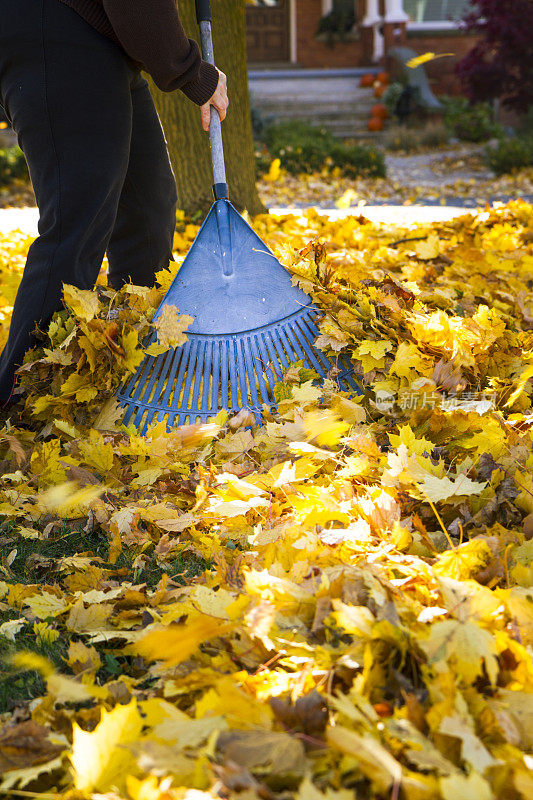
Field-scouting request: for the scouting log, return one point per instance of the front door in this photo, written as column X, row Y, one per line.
column 268, row 31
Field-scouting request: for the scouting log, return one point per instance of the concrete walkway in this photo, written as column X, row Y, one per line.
column 21, row 219
column 25, row 219
column 403, row 216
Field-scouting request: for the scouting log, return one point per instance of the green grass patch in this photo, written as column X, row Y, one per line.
column 16, row 685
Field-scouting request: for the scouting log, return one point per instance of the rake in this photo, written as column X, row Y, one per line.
column 250, row 322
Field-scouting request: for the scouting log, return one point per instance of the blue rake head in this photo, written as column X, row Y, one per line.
column 250, row 324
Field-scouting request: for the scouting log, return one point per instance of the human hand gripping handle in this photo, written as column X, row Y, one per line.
column 212, row 118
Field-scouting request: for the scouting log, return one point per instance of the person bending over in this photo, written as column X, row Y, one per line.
column 72, row 90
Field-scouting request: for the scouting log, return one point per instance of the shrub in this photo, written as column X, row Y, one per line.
column 525, row 124
column 391, row 96
column 305, row 148
column 499, row 65
column 510, row 155
column 12, row 165
column 471, row 123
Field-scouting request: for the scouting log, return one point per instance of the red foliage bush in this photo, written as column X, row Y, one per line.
column 501, row 63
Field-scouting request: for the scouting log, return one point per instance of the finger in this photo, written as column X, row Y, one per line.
column 206, row 117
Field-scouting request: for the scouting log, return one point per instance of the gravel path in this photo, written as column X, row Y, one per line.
column 437, row 175
column 435, row 170
column 456, row 176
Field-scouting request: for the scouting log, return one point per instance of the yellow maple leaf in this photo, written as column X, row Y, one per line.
column 490, row 438
column 415, row 62
column 324, row 427
column 62, row 688
column 274, row 171
column 67, row 500
column 10, row 628
column 419, row 446
column 46, row 463
column 374, row 761
column 238, row 706
column 441, row 489
column 20, row 778
column 372, row 353
column 110, row 413
column 464, row 561
column 171, row 327
column 473, row 751
column 92, row 618
column 348, row 410
column 45, row 633
column 465, row 646
column 178, row 642
column 520, row 604
column 428, row 249
column 80, row 386
column 357, row 620
column 526, row 375
column 189, row 732
column 471, row 787
column 97, row 453
column 66, row 427
column 408, row 357
column 83, row 302
column 307, row 394
column 44, row 605
column 133, row 354
column 308, row 791
column 99, row 758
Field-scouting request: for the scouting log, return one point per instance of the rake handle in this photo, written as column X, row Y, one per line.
column 220, row 189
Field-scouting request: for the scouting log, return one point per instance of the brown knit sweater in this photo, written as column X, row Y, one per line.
column 152, row 35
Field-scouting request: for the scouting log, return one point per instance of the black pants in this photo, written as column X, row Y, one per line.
column 98, row 161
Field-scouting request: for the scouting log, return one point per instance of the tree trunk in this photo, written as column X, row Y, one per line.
column 188, row 143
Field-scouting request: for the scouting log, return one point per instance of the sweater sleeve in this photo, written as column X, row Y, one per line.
column 151, row 33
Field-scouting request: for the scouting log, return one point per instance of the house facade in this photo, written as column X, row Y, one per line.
column 356, row 33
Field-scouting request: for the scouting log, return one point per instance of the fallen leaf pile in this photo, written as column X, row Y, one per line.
column 337, row 604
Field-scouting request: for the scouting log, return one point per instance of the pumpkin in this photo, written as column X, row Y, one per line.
column 379, row 90
column 379, row 110
column 375, row 124
column 367, row 80
column 383, row 77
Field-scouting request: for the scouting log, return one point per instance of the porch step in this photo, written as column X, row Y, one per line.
column 294, row 71
column 316, row 110
column 328, row 98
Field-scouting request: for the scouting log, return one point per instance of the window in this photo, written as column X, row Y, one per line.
column 339, row 16
column 424, row 11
